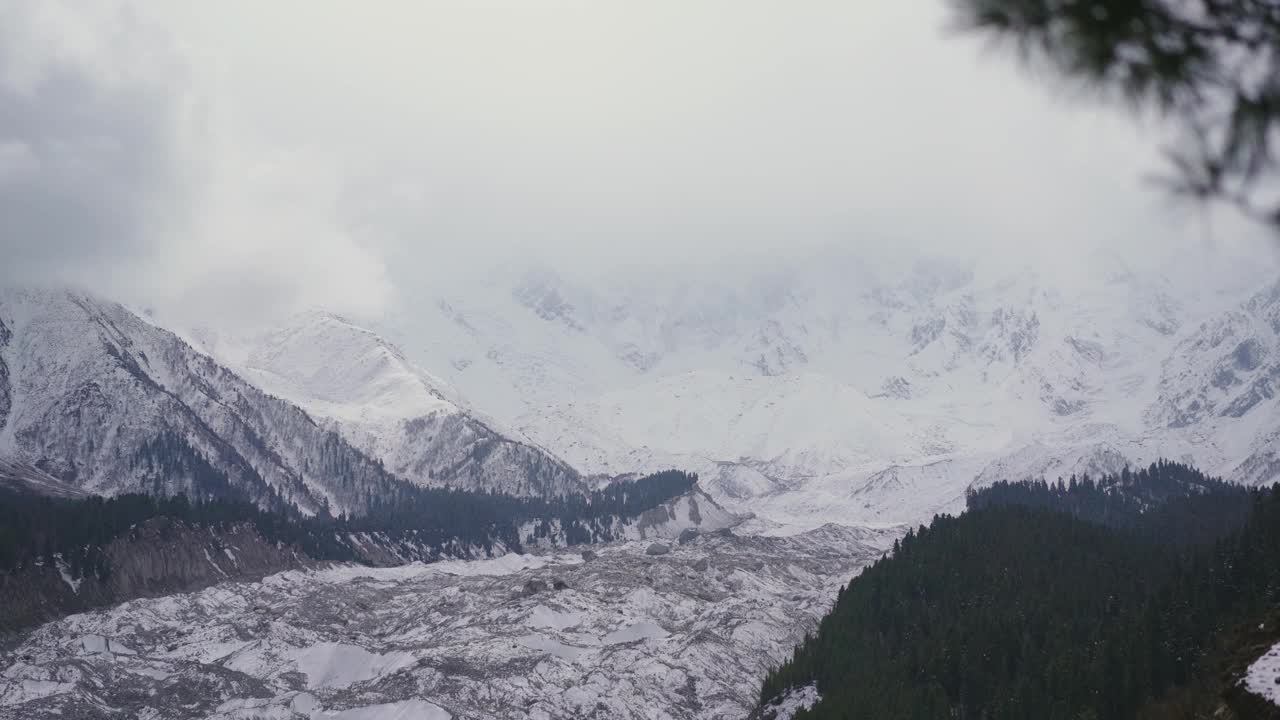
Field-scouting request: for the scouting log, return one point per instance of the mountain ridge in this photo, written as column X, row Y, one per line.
column 88, row 384
column 791, row 388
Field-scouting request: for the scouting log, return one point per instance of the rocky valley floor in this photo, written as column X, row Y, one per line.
column 687, row 634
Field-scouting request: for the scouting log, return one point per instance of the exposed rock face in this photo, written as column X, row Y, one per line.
column 163, row 556
column 657, row 549
column 159, row 557
column 694, row 511
column 533, row 587
column 5, row 401
column 29, row 480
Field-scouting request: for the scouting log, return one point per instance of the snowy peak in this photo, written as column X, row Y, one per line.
column 325, row 360
column 363, row 387
column 109, row 403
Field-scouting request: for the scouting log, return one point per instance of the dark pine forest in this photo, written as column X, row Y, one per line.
column 33, row 529
column 1139, row 595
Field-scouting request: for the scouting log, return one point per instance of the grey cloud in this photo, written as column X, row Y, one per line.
column 87, row 172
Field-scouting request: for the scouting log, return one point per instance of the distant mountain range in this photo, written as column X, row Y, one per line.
column 826, row 388
column 834, row 388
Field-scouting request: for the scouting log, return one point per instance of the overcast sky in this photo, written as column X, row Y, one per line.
column 241, row 156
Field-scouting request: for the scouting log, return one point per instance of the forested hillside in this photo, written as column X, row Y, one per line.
column 34, row 529
column 1165, row 502
column 1086, row 599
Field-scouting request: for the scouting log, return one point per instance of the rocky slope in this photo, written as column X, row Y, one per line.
column 23, row 478
column 159, row 557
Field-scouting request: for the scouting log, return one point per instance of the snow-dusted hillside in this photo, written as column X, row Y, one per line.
column 828, row 388
column 89, row 384
column 364, row 387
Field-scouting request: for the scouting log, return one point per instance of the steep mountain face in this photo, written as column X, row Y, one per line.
column 5, row 400
column 89, row 391
column 94, row 392
column 364, row 388
column 24, row 478
column 159, row 557
column 831, row 388
column 1220, row 385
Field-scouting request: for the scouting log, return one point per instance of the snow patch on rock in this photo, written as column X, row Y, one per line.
column 1263, row 676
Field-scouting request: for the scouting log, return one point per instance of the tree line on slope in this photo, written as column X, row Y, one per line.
column 1089, row 599
column 1193, row 509
column 35, row 529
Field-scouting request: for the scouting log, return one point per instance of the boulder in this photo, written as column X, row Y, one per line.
column 701, row 565
column 688, row 535
column 658, row 549
column 588, row 555
column 532, row 587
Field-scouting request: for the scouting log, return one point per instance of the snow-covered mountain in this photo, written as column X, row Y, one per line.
column 363, row 387
column 103, row 400
column 835, row 388
column 827, row 388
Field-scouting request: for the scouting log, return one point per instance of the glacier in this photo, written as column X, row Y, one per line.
column 549, row 635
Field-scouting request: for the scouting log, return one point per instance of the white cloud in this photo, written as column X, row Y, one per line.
column 317, row 152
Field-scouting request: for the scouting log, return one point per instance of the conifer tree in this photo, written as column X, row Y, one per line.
column 1210, row 67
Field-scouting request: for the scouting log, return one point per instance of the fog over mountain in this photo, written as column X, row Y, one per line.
column 222, row 161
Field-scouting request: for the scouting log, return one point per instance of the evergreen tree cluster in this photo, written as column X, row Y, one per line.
column 35, row 529
column 171, row 466
column 440, row 517
column 1211, row 67
column 595, row 517
column 1166, row 501
column 1086, row 599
